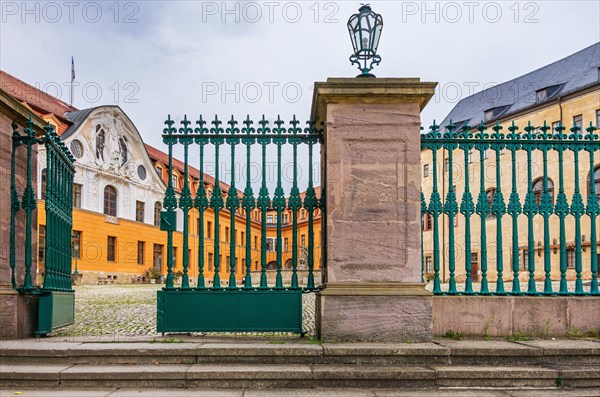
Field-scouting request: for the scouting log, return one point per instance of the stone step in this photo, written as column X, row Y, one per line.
column 441, row 352
column 330, row 392
column 173, row 376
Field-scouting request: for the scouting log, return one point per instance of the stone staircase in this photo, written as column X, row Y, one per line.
column 210, row 363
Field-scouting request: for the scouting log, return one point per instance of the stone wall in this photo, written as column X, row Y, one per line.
column 481, row 316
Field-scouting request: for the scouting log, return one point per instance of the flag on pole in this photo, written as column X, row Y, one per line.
column 72, row 79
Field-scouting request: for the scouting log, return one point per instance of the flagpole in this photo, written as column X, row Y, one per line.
column 72, row 78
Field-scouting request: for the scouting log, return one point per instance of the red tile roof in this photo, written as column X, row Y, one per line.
column 40, row 102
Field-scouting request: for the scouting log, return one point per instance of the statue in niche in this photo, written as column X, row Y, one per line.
column 100, row 142
column 123, row 147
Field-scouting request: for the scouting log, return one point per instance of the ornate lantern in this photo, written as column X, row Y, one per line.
column 365, row 32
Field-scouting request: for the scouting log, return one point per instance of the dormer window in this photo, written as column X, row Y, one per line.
column 494, row 113
column 546, row 93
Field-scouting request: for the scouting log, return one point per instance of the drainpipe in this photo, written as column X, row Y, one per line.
column 560, row 107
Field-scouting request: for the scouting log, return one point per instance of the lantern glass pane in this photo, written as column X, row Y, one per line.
column 376, row 36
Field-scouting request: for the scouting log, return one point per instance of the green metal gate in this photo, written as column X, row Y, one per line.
column 257, row 307
column 56, row 297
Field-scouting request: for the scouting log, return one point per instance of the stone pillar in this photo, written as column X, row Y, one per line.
column 18, row 312
column 372, row 182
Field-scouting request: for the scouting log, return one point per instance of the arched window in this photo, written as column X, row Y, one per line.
column 272, row 265
column 288, row 264
column 110, row 201
column 538, row 189
column 596, row 182
column 157, row 209
column 491, row 194
column 44, row 183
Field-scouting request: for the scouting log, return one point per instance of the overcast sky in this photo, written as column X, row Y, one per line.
column 153, row 58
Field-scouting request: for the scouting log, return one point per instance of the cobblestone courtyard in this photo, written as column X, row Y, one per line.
column 130, row 310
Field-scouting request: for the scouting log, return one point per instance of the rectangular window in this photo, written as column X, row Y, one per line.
column 541, row 95
column 255, row 242
column 598, row 118
column 303, row 240
column 76, row 244
column 285, row 245
column 571, row 259
column 76, row 195
column 486, row 153
column 525, row 263
column 425, row 170
column 111, row 245
column 242, row 239
column 174, row 180
column 555, row 126
column 255, row 265
column 157, row 210
column 427, row 222
column 158, row 171
column 42, row 244
column 446, row 164
column 474, row 258
column 270, row 219
column 211, row 263
column 578, row 121
column 157, row 255
column 226, row 234
column 428, row 265
column 174, row 256
column 302, row 214
column 271, row 244
column 208, row 229
column 140, row 252
column 139, row 211
column 470, row 155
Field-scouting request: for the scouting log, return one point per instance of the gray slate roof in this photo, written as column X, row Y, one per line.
column 77, row 118
column 575, row 72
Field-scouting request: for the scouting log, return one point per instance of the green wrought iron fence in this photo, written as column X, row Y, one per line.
column 234, row 306
column 56, row 297
column 536, row 206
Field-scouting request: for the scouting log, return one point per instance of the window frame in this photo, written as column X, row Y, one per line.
column 111, row 249
column 112, row 208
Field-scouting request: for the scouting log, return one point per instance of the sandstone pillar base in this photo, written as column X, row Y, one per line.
column 375, row 312
column 18, row 314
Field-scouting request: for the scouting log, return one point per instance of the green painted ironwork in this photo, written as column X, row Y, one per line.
column 577, row 208
column 435, row 204
column 483, row 206
column 514, row 204
column 498, row 207
column 56, row 296
column 467, row 206
column 248, row 201
column 451, row 206
column 201, row 199
column 490, row 206
column 593, row 205
column 186, row 309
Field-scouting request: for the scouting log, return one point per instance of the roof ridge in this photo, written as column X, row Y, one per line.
column 66, row 105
